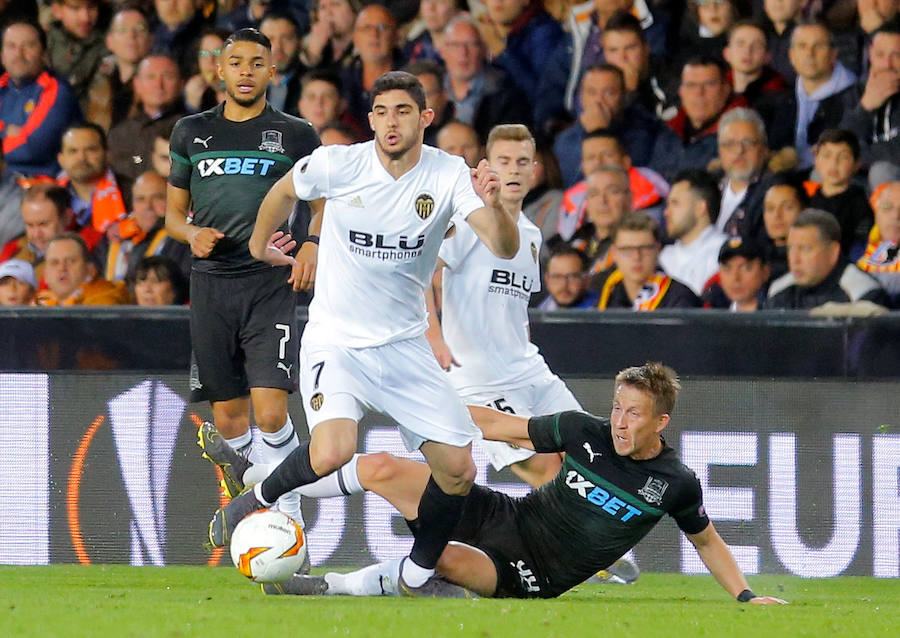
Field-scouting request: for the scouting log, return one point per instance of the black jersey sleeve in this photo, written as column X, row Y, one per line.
column 690, row 514
column 180, row 173
column 551, row 433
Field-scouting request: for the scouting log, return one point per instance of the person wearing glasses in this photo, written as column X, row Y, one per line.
column 112, row 92
column 204, row 89
column 566, row 281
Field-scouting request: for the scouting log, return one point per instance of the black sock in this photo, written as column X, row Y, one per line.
column 439, row 513
column 413, row 525
column 294, row 471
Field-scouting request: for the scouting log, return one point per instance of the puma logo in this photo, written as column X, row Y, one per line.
column 287, row 369
column 587, row 448
column 205, row 142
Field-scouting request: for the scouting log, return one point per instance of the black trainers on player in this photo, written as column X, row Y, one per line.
column 226, row 518
column 232, row 463
column 435, row 587
column 297, row 586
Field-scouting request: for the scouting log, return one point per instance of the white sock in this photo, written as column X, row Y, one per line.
column 415, row 575
column 277, row 445
column 240, row 442
column 342, row 482
column 375, row 580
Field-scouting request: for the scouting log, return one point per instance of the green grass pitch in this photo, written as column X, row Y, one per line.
column 204, row 601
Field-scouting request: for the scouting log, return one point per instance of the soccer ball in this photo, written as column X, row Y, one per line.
column 268, row 546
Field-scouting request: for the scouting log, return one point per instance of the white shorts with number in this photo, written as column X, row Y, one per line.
column 547, row 395
column 401, row 380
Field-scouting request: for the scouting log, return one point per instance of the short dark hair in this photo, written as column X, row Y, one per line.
column 58, row 196
column 567, row 250
column 400, row 81
column 840, row 136
column 623, row 20
column 659, row 381
column 427, row 67
column 888, row 28
column 78, row 239
column 605, row 67
column 166, row 270
column 751, row 23
column 42, row 35
column 322, row 75
column 813, row 22
column 703, row 186
column 88, row 126
column 606, row 134
column 283, row 16
column 825, row 222
column 792, row 181
column 248, row 34
column 638, row 221
column 705, row 59
column 340, row 127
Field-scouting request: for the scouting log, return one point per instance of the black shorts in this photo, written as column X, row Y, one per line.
column 488, row 523
column 243, row 334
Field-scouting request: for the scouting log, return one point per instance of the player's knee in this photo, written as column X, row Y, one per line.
column 377, row 468
column 326, row 459
column 456, row 477
column 270, row 420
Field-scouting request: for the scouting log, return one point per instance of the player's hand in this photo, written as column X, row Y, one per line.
column 443, row 355
column 767, row 600
column 486, row 183
column 282, row 241
column 277, row 247
column 303, row 271
column 204, row 240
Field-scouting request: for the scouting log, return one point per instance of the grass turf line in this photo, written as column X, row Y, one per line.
column 69, row 600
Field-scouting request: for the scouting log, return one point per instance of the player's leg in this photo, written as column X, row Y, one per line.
column 228, row 443
column 469, row 567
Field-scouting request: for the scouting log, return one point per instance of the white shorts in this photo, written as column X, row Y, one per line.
column 401, row 380
column 547, row 395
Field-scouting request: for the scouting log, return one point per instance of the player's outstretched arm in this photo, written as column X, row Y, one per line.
column 273, row 212
column 720, row 562
column 201, row 239
column 502, row 426
column 495, row 227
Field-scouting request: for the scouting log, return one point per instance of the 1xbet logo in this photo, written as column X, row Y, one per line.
column 234, row 166
column 612, row 505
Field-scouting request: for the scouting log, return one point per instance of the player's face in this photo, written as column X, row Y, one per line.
column 246, row 68
column 82, row 156
column 513, row 161
column 810, row 258
column 42, row 222
column 780, row 209
column 14, row 292
column 398, row 123
column 742, row 278
column 887, row 212
column 635, row 253
column 635, row 426
column 66, row 268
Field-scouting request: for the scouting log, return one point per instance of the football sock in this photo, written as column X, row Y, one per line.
column 439, row 513
column 277, row 445
column 342, row 482
column 241, row 444
column 415, row 575
column 375, row 580
column 294, row 471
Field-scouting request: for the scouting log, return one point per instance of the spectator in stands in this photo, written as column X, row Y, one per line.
column 75, row 47
column 321, row 102
column 882, row 256
column 604, row 148
column 566, row 281
column 119, row 257
column 96, row 198
column 876, row 119
column 329, row 43
column 247, row 14
column 636, row 281
column 785, row 199
column 20, row 10
column 159, row 160
column 203, row 90
column 520, row 37
column 743, row 274
column 179, row 24
column 11, row 224
column 35, row 105
column 461, row 139
column 750, row 74
column 818, row 274
column 781, row 18
column 112, row 93
column 284, row 89
column 72, row 278
column 337, row 133
column 17, row 283
column 602, row 98
column 158, row 281
column 691, row 213
column 690, row 141
column 157, row 90
column 422, row 42
column 704, row 28
column 432, row 76
column 542, row 203
column 836, row 161
column 824, row 90
column 873, row 16
column 483, row 95
column 646, row 81
column 45, row 213
column 743, row 153
column 608, row 200
column 374, row 37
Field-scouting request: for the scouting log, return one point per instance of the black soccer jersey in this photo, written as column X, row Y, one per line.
column 228, row 167
column 600, row 504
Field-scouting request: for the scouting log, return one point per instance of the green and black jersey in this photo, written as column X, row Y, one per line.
column 600, row 504
column 228, row 167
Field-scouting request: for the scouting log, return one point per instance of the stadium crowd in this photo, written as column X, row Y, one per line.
column 723, row 154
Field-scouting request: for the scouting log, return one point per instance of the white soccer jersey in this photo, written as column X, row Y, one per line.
column 380, row 239
column 485, row 310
